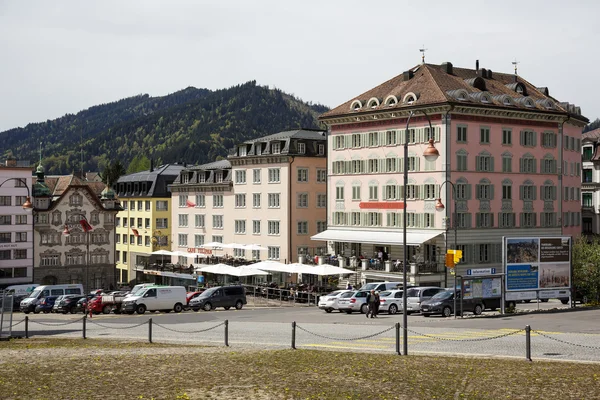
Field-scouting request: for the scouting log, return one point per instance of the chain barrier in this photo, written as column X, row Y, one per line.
column 55, row 324
column 115, row 327
column 348, row 339
column 565, row 342
column 198, row 331
column 466, row 340
column 17, row 323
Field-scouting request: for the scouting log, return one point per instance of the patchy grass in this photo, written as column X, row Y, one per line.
column 101, row 369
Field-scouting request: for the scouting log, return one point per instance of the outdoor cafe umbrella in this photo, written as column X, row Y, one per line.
column 327, row 269
column 224, row 269
column 273, row 266
column 162, row 253
column 254, row 247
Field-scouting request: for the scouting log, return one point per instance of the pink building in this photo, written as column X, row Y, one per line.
column 508, row 150
column 270, row 192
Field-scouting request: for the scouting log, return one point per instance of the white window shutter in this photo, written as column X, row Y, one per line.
column 437, row 133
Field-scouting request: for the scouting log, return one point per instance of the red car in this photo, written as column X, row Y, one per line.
column 191, row 295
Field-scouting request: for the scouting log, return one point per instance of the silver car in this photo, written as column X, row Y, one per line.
column 356, row 302
column 390, row 301
column 415, row 295
column 329, row 302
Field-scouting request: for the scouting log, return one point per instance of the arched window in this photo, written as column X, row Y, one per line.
column 527, row 164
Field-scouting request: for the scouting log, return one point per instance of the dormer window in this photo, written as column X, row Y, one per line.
column 301, row 148
column 76, row 200
column 219, row 177
column 185, row 177
column 356, row 105
column 391, row 101
column 410, row 98
column 276, row 148
column 242, row 151
column 321, row 149
column 258, row 149
column 201, row 177
column 373, row 102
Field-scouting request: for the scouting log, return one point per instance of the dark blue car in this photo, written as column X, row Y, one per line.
column 45, row 304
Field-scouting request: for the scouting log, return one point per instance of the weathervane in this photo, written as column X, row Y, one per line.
column 515, row 63
column 423, row 50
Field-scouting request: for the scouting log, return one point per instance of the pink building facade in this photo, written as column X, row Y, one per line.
column 509, row 165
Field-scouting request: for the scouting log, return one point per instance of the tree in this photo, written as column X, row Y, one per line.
column 112, row 172
column 586, row 267
column 592, row 125
column 138, row 164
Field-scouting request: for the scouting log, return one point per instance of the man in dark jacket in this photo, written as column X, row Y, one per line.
column 371, row 299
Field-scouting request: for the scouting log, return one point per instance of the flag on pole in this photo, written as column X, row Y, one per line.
column 85, row 225
column 135, row 232
column 190, row 203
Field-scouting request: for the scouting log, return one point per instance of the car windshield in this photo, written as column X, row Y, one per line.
column 442, row 295
column 335, row 293
column 346, row 295
column 208, row 293
column 35, row 294
column 384, row 294
column 413, row 292
column 369, row 286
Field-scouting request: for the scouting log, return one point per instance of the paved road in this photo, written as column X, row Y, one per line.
column 566, row 335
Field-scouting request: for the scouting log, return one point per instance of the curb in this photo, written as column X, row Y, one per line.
column 549, row 311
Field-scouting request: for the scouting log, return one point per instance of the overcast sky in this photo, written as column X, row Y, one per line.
column 59, row 57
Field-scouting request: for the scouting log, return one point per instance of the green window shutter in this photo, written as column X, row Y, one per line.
column 534, row 139
column 437, row 192
column 521, row 189
column 521, row 165
column 477, row 192
column 437, row 133
column 401, row 191
column 534, row 193
column 477, row 220
column 401, row 164
column 468, row 221
column 522, row 140
column 554, row 192
column 492, row 164
column 500, row 220
column 402, row 135
column 417, row 164
column 477, row 163
column 491, row 220
column 521, row 219
column 433, row 220
column 468, row 192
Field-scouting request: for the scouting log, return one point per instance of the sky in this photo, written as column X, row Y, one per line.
column 59, row 57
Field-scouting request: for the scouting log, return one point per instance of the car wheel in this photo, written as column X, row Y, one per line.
column 25, row 312
column 527, row 301
column 46, row 312
column 227, row 308
column 130, row 312
column 239, row 305
column 348, row 311
column 178, row 308
column 140, row 309
column 195, row 309
column 106, row 309
column 408, row 312
column 36, row 312
column 564, row 301
column 426, row 315
column 393, row 309
column 73, row 310
column 328, row 310
column 478, row 309
column 544, row 300
column 364, row 308
column 446, row 312
column 511, row 304
column 207, row 307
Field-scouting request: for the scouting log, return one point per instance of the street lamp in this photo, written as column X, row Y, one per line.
column 27, row 206
column 86, row 228
column 430, row 154
column 439, row 206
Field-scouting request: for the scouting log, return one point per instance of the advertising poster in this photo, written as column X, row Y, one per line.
column 537, row 263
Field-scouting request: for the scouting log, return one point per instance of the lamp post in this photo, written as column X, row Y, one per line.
column 439, row 206
column 86, row 228
column 430, row 154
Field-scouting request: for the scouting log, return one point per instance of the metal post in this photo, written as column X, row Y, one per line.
column 294, row 335
column 2, row 314
column 12, row 299
column 398, row 338
column 26, row 327
column 280, row 297
column 84, row 326
column 150, row 330
column 227, row 332
column 528, row 342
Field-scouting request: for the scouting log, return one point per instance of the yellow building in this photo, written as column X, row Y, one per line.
column 144, row 225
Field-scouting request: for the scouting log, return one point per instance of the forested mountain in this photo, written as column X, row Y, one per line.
column 193, row 125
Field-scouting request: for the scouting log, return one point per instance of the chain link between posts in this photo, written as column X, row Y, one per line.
column 17, row 323
column 348, row 339
column 198, row 331
column 56, row 324
column 565, row 342
column 467, row 340
column 115, row 327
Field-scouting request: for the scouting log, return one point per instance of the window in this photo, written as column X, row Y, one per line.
column 243, row 151
column 218, row 201
column 461, row 160
column 162, row 205
column 218, row 221
column 50, row 260
column 276, row 148
column 506, row 191
column 339, row 193
column 548, row 191
column 484, row 135
column 373, row 165
column 528, row 191
column 240, row 200
column 273, row 253
column 587, row 176
column 20, row 236
column 528, row 164
column 198, row 240
column 256, row 176
column 217, row 238
column 302, row 201
column 484, row 253
column 147, row 223
column 506, row 136
column 321, row 200
column 463, row 191
column 412, row 192
column 147, row 205
column 200, row 200
column 77, row 200
column 219, row 177
column 339, row 142
column 140, row 205
column 273, row 200
column 548, row 165
column 484, row 220
column 373, row 139
column 356, row 192
column 374, row 219
column 5, row 200
column 429, row 192
column 274, row 175
column 484, row 162
column 373, row 192
column 390, row 192
column 528, row 139
column 339, row 218
column 161, row 223
column 429, row 220
column 506, row 220
column 548, row 219
column 390, row 164
column 273, row 227
column 132, row 205
column 182, row 240
column 132, row 222
column 548, row 140
column 587, row 200
column 485, row 191
column 131, row 239
column 588, row 152
column 302, row 227
column 413, row 163
column 357, row 140
column 321, row 226
column 258, row 148
column 147, row 241
column 302, row 174
column 139, row 240
column 390, row 138
column 240, row 177
column 321, row 149
column 256, row 227
column 301, row 148
column 240, row 226
column 528, row 220
column 461, row 134
column 356, row 166
column 199, row 220
column 5, row 219
column 139, row 222
column 124, row 257
column 506, row 162
column 256, row 200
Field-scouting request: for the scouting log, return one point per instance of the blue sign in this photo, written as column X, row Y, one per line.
column 521, row 277
column 481, row 271
column 200, row 279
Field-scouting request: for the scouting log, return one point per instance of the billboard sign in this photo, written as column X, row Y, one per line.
column 538, row 264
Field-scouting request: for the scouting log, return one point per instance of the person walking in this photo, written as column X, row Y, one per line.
column 376, row 304
column 371, row 304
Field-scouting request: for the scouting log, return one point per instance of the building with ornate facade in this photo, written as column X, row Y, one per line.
column 590, row 182
column 509, row 165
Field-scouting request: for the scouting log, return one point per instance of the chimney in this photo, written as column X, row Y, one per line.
column 477, row 67
column 447, row 67
column 489, row 75
column 11, row 161
column 483, row 73
column 407, row 75
column 151, row 164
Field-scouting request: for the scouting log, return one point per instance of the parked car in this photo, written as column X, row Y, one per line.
column 381, row 286
column 443, row 303
column 160, row 298
column 329, row 302
column 82, row 304
column 390, row 301
column 226, row 297
column 45, row 305
column 416, row 295
column 356, row 302
column 192, row 295
column 68, row 304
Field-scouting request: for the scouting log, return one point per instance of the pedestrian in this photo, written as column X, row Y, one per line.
column 349, row 286
column 371, row 304
column 376, row 306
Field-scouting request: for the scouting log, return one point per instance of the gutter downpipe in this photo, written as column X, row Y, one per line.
column 290, row 209
column 448, row 126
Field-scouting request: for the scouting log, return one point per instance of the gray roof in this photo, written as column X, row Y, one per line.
column 221, row 164
column 148, row 183
column 297, row 134
column 168, row 169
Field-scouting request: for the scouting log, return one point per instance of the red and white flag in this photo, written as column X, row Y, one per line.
column 190, row 203
column 85, row 225
column 135, row 232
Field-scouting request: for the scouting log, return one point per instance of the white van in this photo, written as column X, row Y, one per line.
column 28, row 303
column 141, row 286
column 156, row 298
column 21, row 290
